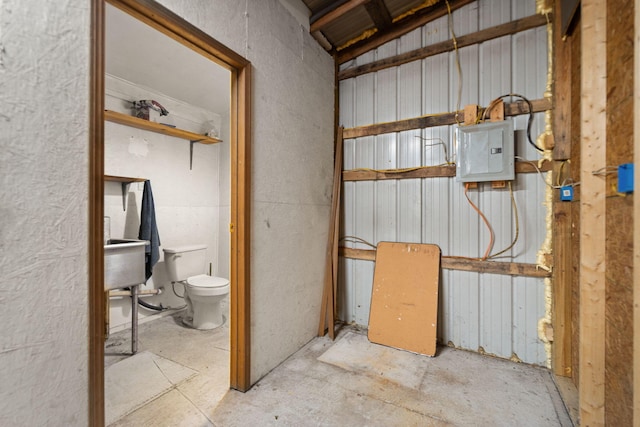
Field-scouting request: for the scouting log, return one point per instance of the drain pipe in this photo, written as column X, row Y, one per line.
column 140, row 293
column 145, row 292
column 151, row 306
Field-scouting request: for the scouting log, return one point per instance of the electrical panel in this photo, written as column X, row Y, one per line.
column 485, row 152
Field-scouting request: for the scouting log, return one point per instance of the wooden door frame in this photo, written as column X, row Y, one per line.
column 165, row 21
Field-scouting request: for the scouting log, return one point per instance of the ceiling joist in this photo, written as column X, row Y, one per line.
column 379, row 14
column 398, row 29
column 333, row 12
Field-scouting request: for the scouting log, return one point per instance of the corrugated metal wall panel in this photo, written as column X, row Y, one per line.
column 482, row 312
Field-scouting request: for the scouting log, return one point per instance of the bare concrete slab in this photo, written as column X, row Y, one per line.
column 354, row 382
column 133, row 382
column 349, row 382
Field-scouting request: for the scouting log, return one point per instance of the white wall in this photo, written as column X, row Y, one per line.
column 495, row 314
column 44, row 72
column 188, row 203
column 292, row 162
column 44, row 58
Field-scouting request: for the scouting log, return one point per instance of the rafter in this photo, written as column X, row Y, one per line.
column 379, row 14
column 398, row 29
column 333, row 12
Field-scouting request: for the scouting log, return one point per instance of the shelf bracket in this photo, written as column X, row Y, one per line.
column 125, row 192
column 191, row 152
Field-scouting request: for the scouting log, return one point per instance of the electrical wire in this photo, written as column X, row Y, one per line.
column 493, row 103
column 486, row 221
column 354, row 239
column 605, row 171
column 573, row 184
column 515, row 238
column 440, row 142
column 403, row 170
column 458, row 66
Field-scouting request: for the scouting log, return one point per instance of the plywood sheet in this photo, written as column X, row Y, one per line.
column 404, row 300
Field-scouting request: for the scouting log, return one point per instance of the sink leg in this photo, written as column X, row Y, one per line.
column 134, row 319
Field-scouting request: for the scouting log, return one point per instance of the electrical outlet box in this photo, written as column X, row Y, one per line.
column 566, row 193
column 625, row 178
column 485, row 152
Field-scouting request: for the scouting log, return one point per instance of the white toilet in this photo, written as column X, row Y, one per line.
column 202, row 293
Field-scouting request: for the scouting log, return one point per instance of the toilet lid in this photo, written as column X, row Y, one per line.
column 205, row 281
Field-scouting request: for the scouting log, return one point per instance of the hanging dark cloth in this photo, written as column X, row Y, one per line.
column 149, row 230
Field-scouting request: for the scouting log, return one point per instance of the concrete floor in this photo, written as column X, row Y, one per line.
column 349, row 382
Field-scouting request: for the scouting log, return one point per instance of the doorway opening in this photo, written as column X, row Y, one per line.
column 166, row 22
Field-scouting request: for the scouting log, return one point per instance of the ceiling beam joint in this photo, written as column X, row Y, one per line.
column 379, row 14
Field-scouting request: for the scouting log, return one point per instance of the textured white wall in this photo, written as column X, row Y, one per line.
column 44, row 57
column 292, row 162
column 188, row 202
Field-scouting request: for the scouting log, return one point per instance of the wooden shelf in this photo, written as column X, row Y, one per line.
column 124, row 119
column 125, row 179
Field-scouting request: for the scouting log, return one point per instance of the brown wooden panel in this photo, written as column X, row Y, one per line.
column 96, row 297
column 636, row 216
column 432, row 172
column 463, row 264
column 511, row 109
column 574, row 170
column 562, row 115
column 562, row 280
column 592, row 206
column 404, row 300
column 619, row 218
column 329, row 290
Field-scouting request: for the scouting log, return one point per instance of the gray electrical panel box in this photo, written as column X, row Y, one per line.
column 485, row 152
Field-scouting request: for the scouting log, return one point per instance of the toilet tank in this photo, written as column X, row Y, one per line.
column 185, row 261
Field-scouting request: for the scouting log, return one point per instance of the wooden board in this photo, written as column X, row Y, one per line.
column 592, row 213
column 440, row 119
column 329, row 290
column 404, row 301
column 526, row 166
column 618, row 386
column 636, row 224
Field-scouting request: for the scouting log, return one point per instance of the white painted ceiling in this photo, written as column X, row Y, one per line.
column 142, row 55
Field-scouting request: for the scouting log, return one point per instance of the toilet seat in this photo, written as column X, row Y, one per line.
column 206, row 281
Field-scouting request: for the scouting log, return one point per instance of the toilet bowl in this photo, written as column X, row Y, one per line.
column 202, row 293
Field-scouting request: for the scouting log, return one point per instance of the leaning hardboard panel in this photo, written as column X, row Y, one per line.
column 404, row 300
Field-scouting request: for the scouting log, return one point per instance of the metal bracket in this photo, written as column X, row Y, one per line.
column 191, row 152
column 125, row 192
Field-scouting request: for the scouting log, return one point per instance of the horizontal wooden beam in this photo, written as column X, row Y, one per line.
column 432, row 172
column 463, row 264
column 447, row 46
column 361, row 254
column 335, row 13
column 442, row 119
column 400, row 28
column 494, row 267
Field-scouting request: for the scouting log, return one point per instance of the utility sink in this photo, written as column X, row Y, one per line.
column 124, row 263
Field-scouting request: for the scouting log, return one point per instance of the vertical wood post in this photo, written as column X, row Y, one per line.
column 636, row 217
column 592, row 216
column 562, row 211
